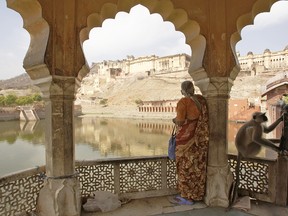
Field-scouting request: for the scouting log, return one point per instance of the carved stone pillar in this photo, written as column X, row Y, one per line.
column 60, row 194
column 219, row 176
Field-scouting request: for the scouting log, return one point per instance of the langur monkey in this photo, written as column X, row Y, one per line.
column 249, row 141
column 249, row 138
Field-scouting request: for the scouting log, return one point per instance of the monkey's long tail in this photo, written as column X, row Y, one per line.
column 235, row 184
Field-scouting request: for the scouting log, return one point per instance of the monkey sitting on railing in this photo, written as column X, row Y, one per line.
column 249, row 141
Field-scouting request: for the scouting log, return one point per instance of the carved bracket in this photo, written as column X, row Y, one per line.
column 212, row 86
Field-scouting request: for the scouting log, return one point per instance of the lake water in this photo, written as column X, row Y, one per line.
column 22, row 144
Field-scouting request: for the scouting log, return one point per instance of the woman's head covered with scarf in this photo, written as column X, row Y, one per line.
column 187, row 88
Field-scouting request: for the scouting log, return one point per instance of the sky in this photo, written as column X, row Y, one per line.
column 123, row 36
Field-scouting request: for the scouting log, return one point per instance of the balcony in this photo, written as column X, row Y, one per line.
column 148, row 182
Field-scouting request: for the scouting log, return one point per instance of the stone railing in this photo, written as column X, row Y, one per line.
column 18, row 191
column 130, row 178
column 257, row 177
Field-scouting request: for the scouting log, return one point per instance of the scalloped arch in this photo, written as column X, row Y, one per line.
column 38, row 28
column 178, row 17
column 259, row 6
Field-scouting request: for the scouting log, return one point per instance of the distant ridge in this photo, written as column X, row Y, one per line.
column 149, row 89
column 22, row 81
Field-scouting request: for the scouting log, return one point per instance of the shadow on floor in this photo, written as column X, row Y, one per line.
column 161, row 206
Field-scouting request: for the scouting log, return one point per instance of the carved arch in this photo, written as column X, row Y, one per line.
column 259, row 6
column 38, row 28
column 178, row 17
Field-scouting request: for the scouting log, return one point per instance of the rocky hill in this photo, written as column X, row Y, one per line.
column 22, row 81
column 20, row 85
column 127, row 91
column 249, row 86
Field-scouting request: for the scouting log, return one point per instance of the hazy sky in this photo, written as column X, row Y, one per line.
column 123, row 36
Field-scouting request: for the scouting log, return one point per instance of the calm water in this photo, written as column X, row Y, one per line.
column 22, row 145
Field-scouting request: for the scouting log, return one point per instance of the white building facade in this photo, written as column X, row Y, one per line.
column 151, row 65
column 261, row 62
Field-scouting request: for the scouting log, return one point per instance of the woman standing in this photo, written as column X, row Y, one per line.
column 191, row 145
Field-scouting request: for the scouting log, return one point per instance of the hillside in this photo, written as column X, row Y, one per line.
column 19, row 82
column 147, row 89
column 249, row 86
column 127, row 91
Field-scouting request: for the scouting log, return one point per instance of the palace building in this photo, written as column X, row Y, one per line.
column 240, row 108
column 176, row 65
column 267, row 61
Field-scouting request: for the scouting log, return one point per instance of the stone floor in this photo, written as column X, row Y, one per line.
column 161, row 206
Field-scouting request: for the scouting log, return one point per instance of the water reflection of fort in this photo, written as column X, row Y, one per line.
column 123, row 137
column 153, row 127
column 103, row 138
column 158, row 106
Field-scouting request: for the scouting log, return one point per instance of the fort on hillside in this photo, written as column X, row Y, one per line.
column 256, row 64
column 112, row 76
column 154, row 66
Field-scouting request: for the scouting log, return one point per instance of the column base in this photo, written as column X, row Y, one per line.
column 59, row 197
column 282, row 181
column 219, row 181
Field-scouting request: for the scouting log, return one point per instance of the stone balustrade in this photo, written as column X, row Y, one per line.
column 133, row 178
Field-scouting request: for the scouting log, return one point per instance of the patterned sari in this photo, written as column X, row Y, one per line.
column 191, row 154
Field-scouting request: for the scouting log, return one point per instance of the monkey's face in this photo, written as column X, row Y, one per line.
column 264, row 118
column 260, row 117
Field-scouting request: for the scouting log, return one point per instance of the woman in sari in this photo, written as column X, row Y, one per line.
column 191, row 145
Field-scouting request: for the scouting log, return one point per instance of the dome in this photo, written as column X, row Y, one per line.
column 267, row 51
column 286, row 48
column 250, row 53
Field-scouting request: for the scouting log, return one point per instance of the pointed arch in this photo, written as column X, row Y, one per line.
column 165, row 8
column 259, row 6
column 38, row 28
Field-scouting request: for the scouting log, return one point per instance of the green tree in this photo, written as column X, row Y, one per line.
column 104, row 102
column 37, row 97
column 285, row 98
column 139, row 102
column 10, row 99
column 24, row 100
column 2, row 100
column 13, row 100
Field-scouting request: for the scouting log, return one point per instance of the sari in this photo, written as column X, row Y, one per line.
column 192, row 150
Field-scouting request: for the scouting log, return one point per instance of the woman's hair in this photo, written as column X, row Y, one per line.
column 187, row 88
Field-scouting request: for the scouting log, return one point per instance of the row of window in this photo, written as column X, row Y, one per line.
column 271, row 60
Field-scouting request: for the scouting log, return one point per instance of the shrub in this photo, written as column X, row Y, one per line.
column 37, row 97
column 13, row 100
column 139, row 102
column 10, row 99
column 285, row 98
column 2, row 100
column 24, row 100
column 104, row 101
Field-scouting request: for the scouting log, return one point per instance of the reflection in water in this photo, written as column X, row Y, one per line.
column 122, row 137
column 22, row 144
